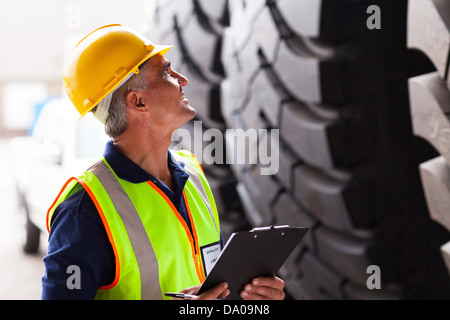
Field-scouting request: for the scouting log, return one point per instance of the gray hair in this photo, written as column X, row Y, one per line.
column 117, row 121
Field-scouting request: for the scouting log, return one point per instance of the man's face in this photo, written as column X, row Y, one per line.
column 168, row 105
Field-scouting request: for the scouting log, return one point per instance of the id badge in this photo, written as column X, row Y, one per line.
column 210, row 254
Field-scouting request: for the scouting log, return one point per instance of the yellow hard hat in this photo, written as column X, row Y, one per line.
column 102, row 61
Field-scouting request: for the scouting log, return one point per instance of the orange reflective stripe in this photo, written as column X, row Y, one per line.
column 54, row 203
column 186, row 229
column 201, row 167
column 105, row 223
column 108, row 231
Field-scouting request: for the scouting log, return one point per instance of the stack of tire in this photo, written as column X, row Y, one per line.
column 337, row 91
column 429, row 32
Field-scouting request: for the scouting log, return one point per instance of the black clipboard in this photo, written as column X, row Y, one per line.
column 260, row 252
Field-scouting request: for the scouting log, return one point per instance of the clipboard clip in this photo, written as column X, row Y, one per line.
column 269, row 228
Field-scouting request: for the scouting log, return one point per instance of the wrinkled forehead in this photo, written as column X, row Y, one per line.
column 156, row 64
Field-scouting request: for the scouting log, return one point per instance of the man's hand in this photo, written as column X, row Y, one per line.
column 269, row 288
column 218, row 292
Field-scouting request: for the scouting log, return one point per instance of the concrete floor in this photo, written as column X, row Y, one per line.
column 20, row 274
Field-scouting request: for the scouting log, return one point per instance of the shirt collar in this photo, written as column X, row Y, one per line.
column 131, row 172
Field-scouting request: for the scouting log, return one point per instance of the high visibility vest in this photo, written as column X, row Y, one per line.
column 155, row 252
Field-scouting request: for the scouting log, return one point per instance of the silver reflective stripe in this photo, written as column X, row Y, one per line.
column 143, row 250
column 197, row 182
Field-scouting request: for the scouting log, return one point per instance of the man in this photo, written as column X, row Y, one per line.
column 135, row 224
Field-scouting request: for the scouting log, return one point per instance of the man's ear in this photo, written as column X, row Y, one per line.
column 134, row 100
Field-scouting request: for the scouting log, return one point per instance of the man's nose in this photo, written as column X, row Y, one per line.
column 182, row 80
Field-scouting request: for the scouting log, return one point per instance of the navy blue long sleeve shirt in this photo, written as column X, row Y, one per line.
column 78, row 237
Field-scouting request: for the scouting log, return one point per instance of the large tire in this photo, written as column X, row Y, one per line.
column 337, row 92
column 429, row 32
